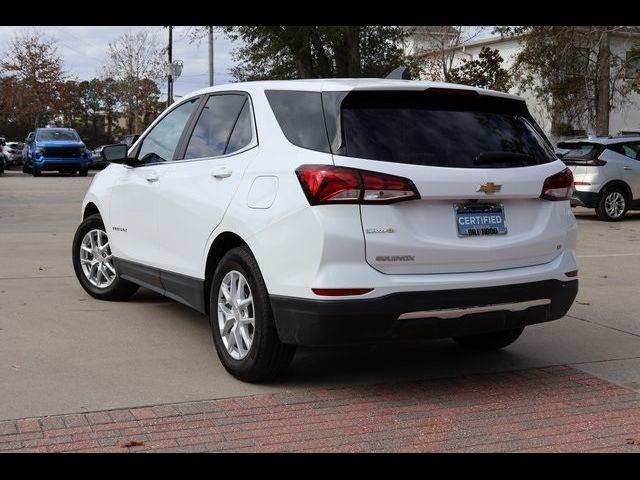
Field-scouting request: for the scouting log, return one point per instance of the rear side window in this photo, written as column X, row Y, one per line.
column 300, row 117
column 214, row 126
column 459, row 131
column 631, row 150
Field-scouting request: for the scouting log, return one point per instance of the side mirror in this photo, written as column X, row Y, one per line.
column 115, row 153
column 85, row 140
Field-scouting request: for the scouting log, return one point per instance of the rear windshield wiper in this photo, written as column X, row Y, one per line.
column 503, row 157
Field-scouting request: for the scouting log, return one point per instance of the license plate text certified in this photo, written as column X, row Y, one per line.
column 475, row 220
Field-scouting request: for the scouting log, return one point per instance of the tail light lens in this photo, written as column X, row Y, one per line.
column 559, row 186
column 326, row 184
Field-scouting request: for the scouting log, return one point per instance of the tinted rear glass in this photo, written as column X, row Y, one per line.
column 580, row 151
column 443, row 131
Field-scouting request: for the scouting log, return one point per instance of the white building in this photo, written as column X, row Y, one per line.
column 624, row 116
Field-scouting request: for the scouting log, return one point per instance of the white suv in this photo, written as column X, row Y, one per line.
column 606, row 172
column 333, row 212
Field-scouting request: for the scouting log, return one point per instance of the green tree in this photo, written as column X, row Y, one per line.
column 287, row 52
column 485, row 72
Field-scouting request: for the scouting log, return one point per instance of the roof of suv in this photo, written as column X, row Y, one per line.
column 346, row 84
column 604, row 140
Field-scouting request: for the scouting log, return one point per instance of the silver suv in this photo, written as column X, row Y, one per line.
column 606, row 171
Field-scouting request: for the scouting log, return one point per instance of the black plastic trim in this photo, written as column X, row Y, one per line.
column 352, row 321
column 182, row 288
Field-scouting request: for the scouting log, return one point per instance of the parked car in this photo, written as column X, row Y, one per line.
column 56, row 149
column 97, row 161
column 606, row 172
column 12, row 152
column 4, row 164
column 337, row 212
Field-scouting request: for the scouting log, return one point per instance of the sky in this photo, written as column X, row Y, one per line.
column 84, row 52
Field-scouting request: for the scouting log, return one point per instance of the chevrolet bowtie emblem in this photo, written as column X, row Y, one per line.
column 489, row 187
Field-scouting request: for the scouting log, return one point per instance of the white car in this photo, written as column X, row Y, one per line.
column 606, row 172
column 336, row 212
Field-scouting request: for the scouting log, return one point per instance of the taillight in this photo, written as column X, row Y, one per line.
column 558, row 186
column 326, row 184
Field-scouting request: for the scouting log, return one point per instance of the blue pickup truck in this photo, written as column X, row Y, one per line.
column 56, row 149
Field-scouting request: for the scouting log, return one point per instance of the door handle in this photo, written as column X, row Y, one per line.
column 221, row 172
column 152, row 177
column 627, row 168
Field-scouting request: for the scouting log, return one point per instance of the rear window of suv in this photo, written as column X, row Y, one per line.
column 580, row 150
column 436, row 127
column 458, row 130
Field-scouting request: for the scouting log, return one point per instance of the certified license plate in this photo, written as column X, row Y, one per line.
column 480, row 219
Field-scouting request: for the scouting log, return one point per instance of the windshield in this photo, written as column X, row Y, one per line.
column 412, row 128
column 53, row 134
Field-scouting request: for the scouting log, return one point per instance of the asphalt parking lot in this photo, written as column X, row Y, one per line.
column 64, row 352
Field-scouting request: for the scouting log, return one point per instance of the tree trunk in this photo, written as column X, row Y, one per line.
column 602, row 90
column 352, row 43
column 304, row 60
column 324, row 65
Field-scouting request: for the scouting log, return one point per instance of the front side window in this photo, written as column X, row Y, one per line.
column 215, row 130
column 161, row 143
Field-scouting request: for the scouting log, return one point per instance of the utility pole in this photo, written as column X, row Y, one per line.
column 170, row 73
column 210, row 56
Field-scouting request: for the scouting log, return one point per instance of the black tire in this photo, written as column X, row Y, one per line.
column 490, row 341
column 601, row 209
column 268, row 357
column 83, row 172
column 25, row 168
column 36, row 171
column 120, row 289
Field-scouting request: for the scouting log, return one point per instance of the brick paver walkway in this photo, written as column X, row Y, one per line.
column 554, row 409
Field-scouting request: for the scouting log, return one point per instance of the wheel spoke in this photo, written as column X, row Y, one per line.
column 239, row 342
column 245, row 337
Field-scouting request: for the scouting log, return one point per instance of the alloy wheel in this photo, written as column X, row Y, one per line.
column 614, row 204
column 236, row 319
column 96, row 259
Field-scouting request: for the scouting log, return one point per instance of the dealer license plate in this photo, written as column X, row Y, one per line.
column 480, row 219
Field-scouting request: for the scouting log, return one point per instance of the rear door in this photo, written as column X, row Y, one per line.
column 463, row 152
column 198, row 187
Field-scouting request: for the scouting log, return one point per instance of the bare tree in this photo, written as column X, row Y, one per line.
column 33, row 61
column 135, row 61
column 436, row 47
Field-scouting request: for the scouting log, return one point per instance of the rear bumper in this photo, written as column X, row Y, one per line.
column 314, row 322
column 584, row 199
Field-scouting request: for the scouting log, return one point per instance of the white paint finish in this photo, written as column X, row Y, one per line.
column 263, row 192
column 299, row 247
